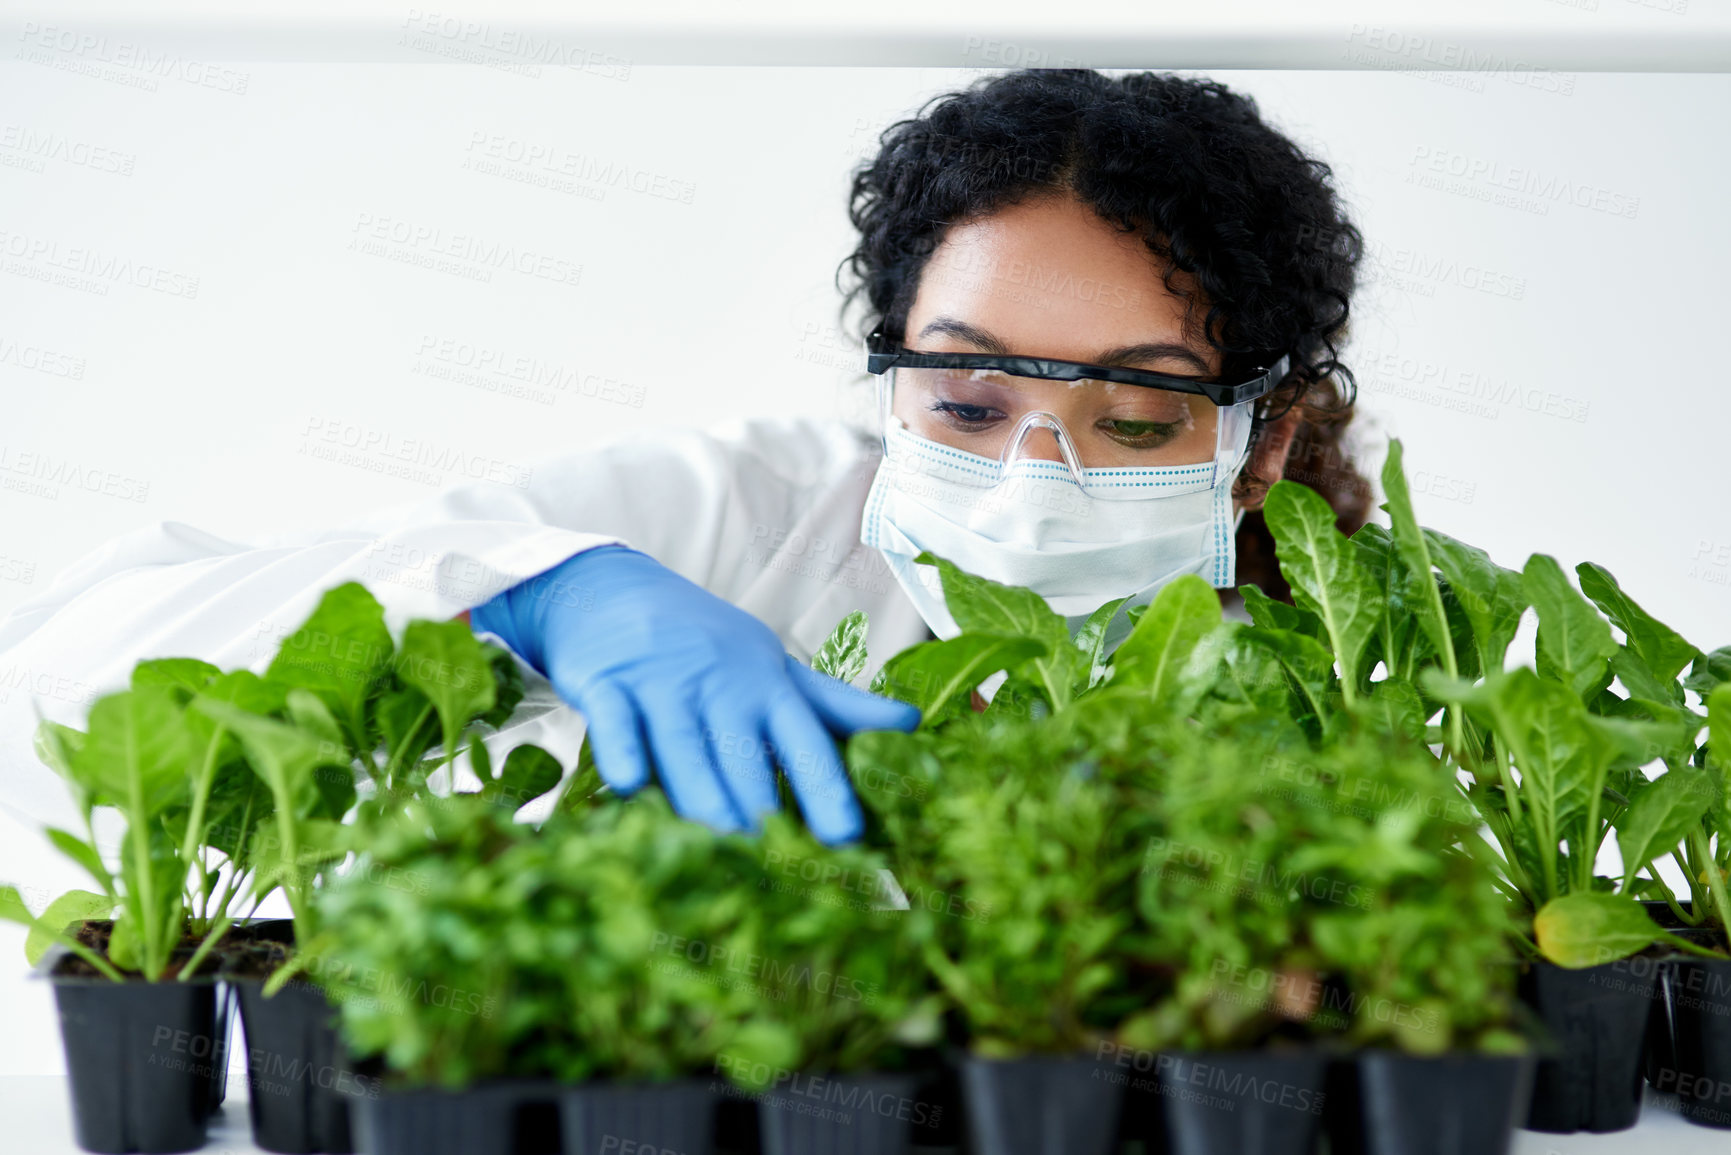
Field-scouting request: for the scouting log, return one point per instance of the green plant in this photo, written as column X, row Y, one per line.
column 1393, row 651
column 617, row 941
column 234, row 785
column 1338, row 893
column 1019, row 868
column 144, row 757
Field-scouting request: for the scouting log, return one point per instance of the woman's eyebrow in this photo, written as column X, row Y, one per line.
column 1123, row 355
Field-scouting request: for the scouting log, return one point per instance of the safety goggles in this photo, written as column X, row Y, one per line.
column 996, row 411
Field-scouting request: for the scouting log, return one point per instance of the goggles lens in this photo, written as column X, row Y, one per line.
column 986, row 412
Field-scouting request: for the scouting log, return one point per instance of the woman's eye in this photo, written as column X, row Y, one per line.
column 1141, row 432
column 963, row 413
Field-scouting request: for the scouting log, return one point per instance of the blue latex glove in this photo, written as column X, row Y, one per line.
column 654, row 660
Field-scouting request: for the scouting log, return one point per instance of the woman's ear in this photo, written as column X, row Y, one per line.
column 1267, row 462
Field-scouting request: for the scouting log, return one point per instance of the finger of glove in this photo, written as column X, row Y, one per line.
column 741, row 751
column 691, row 781
column 615, row 737
column 846, row 708
column 808, row 757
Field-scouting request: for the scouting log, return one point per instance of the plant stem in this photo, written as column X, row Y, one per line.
column 403, row 744
column 138, row 838
column 194, row 838
column 1715, row 880
column 108, row 969
column 1505, row 770
column 1687, row 918
column 1688, row 947
column 204, row 948
column 1506, row 843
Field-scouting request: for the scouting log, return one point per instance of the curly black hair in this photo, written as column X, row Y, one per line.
column 1214, row 192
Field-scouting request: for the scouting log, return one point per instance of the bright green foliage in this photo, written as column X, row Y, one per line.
column 233, row 786
column 1399, row 635
column 615, row 942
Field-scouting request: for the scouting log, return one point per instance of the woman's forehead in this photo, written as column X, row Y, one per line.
column 1051, row 278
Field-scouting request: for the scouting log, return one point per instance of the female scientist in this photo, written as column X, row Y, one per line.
column 1103, row 316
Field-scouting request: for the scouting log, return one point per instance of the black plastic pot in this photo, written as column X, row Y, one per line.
column 227, row 1011
column 1041, row 1105
column 486, row 1119
column 612, row 1117
column 139, row 1058
column 1661, row 1050
column 846, row 1115
column 1699, row 991
column 940, row 1093
column 298, row 1079
column 1226, row 1103
column 1387, row 1103
column 1589, row 1073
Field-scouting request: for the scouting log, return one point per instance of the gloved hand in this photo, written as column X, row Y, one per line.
column 646, row 654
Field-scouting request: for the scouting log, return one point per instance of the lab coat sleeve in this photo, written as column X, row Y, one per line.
column 170, row 589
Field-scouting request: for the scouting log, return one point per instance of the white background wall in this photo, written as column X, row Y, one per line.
column 1554, row 370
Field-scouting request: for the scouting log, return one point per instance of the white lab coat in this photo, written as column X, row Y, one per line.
column 764, row 513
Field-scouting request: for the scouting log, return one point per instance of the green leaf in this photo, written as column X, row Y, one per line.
column 1659, row 816
column 1326, row 579
column 188, row 675
column 1090, row 640
column 1018, row 698
column 1710, row 671
column 1561, row 751
column 981, row 606
column 933, row 675
column 1591, row 928
column 125, row 948
column 1254, row 675
column 407, row 724
column 583, row 787
column 1663, row 649
column 480, row 761
column 1493, row 598
column 72, row 907
column 84, row 854
column 1719, row 728
column 1409, row 539
column 507, row 684
column 239, row 802
column 283, row 754
column 445, row 661
column 1273, row 615
column 1308, row 666
column 308, row 711
column 136, row 752
column 528, row 773
column 1574, row 641
column 1381, row 561
column 341, row 653
column 1394, row 707
column 1154, row 656
column 12, row 908
column 1662, row 698
column 57, row 746
column 843, row 653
